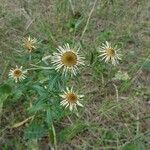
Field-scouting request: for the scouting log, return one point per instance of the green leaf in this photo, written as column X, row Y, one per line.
column 49, row 118
column 106, row 35
column 38, row 106
column 17, row 94
column 35, row 131
column 54, row 81
column 110, row 135
column 92, row 58
column 5, row 91
column 135, row 146
column 56, row 111
column 41, row 91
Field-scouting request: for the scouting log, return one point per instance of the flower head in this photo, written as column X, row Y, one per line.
column 109, row 53
column 17, row 74
column 67, row 59
column 30, row 44
column 71, row 99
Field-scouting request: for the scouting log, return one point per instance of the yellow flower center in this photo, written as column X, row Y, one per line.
column 110, row 52
column 17, row 73
column 29, row 45
column 71, row 97
column 69, row 59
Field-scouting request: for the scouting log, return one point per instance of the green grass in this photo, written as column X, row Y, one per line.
column 116, row 112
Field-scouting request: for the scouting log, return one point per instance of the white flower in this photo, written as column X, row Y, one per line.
column 71, row 99
column 67, row 59
column 109, row 53
column 17, row 74
column 30, row 44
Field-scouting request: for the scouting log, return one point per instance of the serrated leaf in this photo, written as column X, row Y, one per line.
column 35, row 131
column 38, row 105
column 17, row 94
column 41, row 91
column 54, row 81
column 56, row 111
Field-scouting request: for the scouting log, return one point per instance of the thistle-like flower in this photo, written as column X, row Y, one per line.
column 17, row 74
column 109, row 53
column 71, row 99
column 30, row 44
column 67, row 59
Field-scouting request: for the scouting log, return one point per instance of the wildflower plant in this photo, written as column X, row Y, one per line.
column 72, row 76
column 48, row 81
column 45, row 86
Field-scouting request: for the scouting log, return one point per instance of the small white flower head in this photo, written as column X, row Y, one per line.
column 30, row 44
column 67, row 59
column 71, row 99
column 17, row 74
column 109, row 53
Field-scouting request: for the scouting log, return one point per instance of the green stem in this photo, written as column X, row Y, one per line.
column 72, row 8
column 54, row 137
column 30, row 58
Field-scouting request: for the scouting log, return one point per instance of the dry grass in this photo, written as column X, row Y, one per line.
column 107, row 121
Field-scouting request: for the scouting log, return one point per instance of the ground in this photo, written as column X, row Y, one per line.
column 116, row 113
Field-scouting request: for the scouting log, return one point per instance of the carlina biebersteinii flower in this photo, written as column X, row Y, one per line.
column 71, row 99
column 67, row 59
column 30, row 44
column 109, row 53
column 17, row 74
